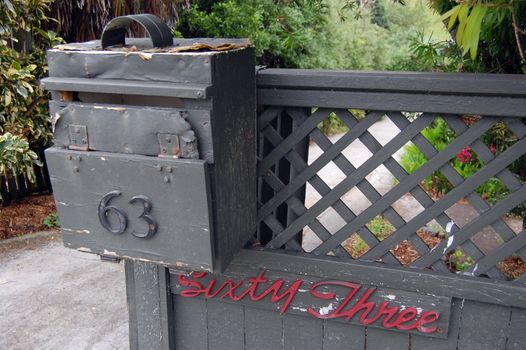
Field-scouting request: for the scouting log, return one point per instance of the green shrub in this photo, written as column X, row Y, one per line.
column 284, row 33
column 24, row 118
column 16, row 156
column 51, row 221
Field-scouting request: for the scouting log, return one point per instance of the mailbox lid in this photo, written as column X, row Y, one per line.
column 138, row 61
column 137, row 196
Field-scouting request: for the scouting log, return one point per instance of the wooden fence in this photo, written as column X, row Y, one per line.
column 480, row 307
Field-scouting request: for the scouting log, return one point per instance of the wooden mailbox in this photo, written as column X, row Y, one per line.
column 154, row 153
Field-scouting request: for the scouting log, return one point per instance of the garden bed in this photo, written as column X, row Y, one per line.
column 36, row 213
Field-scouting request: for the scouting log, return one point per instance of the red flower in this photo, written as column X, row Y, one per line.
column 492, row 148
column 464, row 156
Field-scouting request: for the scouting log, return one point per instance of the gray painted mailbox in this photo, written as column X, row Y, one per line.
column 154, row 153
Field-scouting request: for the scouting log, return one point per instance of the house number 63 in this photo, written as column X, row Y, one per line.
column 105, row 209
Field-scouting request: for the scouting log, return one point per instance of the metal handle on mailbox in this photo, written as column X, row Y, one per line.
column 114, row 33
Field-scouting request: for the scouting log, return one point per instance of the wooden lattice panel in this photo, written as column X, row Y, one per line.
column 284, row 171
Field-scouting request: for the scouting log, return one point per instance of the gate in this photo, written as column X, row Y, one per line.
column 317, row 273
column 479, row 308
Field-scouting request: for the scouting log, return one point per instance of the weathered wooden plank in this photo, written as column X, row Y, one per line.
column 517, row 330
column 177, row 191
column 450, row 342
column 225, row 326
column 131, row 301
column 416, row 82
column 337, row 336
column 381, row 339
column 307, row 303
column 150, row 306
column 421, row 281
column 129, row 87
column 302, row 333
column 234, row 142
column 190, row 323
column 139, row 129
column 263, row 329
column 92, row 64
column 483, row 326
column 486, row 105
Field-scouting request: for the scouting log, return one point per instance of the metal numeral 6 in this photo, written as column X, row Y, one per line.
column 104, row 209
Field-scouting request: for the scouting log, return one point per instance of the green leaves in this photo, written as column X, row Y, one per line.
column 470, row 17
column 284, row 32
column 24, row 119
column 16, row 156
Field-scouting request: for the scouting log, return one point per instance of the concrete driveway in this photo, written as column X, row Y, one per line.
column 57, row 298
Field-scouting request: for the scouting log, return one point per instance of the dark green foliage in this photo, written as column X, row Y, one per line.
column 284, row 33
column 378, row 14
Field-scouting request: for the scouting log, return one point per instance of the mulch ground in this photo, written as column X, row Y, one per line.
column 26, row 216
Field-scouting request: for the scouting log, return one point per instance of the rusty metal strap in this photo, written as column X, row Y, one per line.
column 114, row 32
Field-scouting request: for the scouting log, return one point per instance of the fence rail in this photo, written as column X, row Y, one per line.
column 294, row 102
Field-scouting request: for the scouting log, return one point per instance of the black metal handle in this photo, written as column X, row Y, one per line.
column 114, row 33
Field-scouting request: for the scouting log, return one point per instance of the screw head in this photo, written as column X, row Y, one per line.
column 166, row 179
column 69, row 157
column 76, row 169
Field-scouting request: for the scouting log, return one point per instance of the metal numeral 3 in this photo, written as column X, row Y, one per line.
column 146, row 208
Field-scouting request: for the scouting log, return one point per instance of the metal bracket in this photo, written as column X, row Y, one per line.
column 109, row 258
column 178, row 146
column 78, row 137
column 170, row 145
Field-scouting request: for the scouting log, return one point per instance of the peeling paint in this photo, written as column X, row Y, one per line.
column 145, row 56
column 449, row 242
column 107, row 252
column 109, row 108
column 449, row 226
column 75, row 231
column 84, row 249
column 327, row 309
column 297, row 308
column 390, row 297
